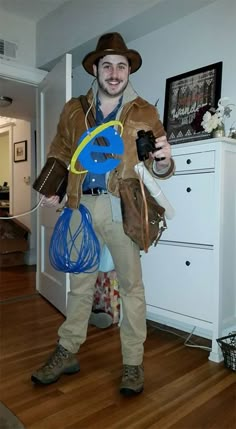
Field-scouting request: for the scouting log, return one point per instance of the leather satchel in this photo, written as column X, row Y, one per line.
column 53, row 179
column 143, row 218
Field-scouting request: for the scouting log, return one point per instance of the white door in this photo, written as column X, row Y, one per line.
column 53, row 92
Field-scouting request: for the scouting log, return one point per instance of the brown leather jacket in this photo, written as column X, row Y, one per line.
column 135, row 115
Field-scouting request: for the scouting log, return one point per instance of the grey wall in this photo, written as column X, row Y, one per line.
column 75, row 26
column 201, row 38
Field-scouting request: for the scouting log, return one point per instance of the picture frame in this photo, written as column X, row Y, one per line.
column 20, row 151
column 184, row 95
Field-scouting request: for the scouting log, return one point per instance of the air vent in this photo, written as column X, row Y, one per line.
column 7, row 49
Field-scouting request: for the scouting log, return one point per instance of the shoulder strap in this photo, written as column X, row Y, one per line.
column 85, row 105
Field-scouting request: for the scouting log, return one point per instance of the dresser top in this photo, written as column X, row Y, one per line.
column 203, row 145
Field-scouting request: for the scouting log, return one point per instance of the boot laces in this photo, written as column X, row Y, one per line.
column 131, row 371
column 57, row 357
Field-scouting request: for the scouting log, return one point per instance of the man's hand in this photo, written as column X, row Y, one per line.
column 163, row 151
column 49, row 201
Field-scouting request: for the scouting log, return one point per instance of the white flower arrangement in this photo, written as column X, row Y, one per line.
column 214, row 118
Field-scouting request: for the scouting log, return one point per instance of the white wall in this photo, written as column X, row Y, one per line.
column 4, row 158
column 22, row 191
column 204, row 37
column 22, row 32
column 78, row 21
column 75, row 26
column 81, row 81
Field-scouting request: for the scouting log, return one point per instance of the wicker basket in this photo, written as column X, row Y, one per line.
column 228, row 347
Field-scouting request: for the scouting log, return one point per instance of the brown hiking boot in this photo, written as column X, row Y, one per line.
column 60, row 362
column 132, row 380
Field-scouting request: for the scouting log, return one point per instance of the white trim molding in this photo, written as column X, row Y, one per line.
column 6, row 122
column 15, row 71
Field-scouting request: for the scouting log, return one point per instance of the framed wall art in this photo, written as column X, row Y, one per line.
column 20, row 151
column 185, row 94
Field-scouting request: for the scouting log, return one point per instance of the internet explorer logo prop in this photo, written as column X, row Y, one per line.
column 86, row 148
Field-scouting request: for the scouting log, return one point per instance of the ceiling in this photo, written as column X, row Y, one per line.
column 23, row 95
column 24, row 99
column 30, row 9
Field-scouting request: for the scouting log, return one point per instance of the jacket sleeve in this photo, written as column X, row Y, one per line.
column 61, row 145
column 52, row 180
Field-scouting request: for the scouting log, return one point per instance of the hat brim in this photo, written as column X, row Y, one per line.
column 133, row 56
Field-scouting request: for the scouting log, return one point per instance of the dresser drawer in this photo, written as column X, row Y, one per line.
column 195, row 161
column 180, row 280
column 192, row 197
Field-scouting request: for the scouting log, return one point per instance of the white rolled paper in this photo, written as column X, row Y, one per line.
column 151, row 184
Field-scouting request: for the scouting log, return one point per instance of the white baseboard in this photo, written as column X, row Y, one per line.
column 185, row 327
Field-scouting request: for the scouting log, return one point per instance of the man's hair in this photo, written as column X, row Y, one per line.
column 98, row 59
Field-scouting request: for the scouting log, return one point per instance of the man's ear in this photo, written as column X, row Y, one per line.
column 95, row 70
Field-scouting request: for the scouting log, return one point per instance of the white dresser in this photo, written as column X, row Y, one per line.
column 190, row 277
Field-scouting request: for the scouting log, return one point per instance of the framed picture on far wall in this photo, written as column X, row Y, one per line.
column 20, row 151
column 184, row 95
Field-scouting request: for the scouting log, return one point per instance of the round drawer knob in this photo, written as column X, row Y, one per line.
column 188, row 161
column 188, row 189
column 187, row 263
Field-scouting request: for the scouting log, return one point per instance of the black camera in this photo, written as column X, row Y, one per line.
column 145, row 144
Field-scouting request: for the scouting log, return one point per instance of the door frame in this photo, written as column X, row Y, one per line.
column 51, row 284
column 8, row 128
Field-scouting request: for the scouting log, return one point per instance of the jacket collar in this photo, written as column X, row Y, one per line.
column 129, row 94
column 130, row 97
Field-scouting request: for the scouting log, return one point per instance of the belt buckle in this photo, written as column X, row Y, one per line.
column 98, row 191
column 95, row 194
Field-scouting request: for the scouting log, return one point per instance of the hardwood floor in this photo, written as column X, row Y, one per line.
column 17, row 282
column 183, row 389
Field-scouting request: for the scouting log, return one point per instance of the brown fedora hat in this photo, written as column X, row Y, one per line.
column 112, row 44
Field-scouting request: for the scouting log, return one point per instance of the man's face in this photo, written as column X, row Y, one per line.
column 112, row 74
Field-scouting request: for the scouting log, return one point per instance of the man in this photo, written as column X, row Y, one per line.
column 110, row 97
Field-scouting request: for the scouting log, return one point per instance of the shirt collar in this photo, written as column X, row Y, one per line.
column 99, row 115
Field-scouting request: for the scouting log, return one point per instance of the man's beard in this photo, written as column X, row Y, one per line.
column 109, row 92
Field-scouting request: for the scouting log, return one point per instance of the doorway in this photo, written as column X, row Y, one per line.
column 20, row 83
column 17, row 282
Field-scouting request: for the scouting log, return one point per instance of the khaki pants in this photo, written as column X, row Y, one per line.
column 126, row 257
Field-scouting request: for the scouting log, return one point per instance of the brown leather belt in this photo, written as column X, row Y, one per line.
column 95, row 191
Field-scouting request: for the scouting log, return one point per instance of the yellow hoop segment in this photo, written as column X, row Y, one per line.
column 87, row 139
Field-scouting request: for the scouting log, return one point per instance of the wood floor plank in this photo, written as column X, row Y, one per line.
column 22, row 283
column 183, row 389
column 223, row 400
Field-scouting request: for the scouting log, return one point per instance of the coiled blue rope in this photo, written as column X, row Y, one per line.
column 85, row 259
